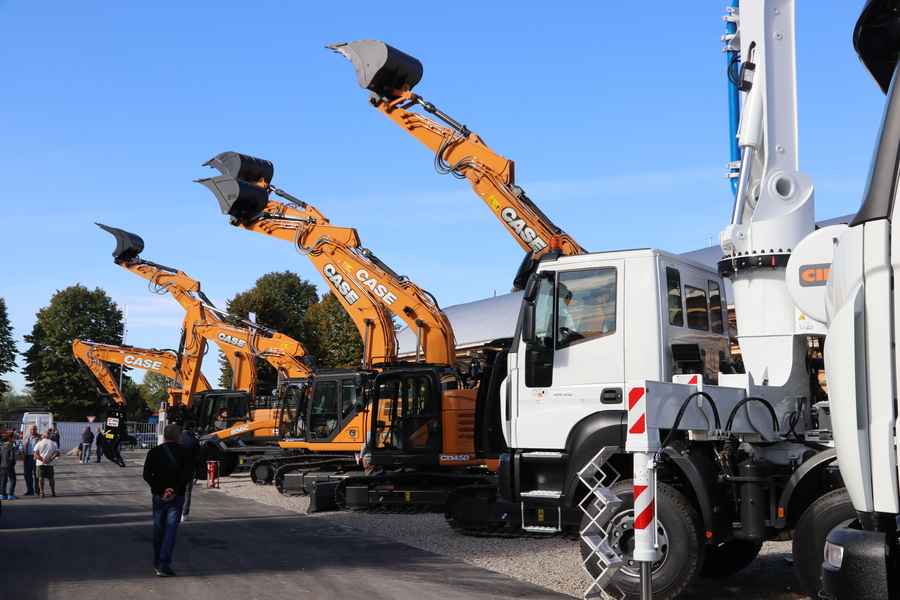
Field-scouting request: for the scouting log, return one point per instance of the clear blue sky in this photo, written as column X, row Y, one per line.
column 614, row 113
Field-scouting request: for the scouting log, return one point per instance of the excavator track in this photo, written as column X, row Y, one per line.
column 477, row 510
column 337, row 462
column 403, row 492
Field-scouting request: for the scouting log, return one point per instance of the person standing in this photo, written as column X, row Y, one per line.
column 365, row 453
column 54, row 436
column 87, row 440
column 167, row 470
column 99, row 449
column 189, row 440
column 8, row 466
column 28, row 443
column 45, row 453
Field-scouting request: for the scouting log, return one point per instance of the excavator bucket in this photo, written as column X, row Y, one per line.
column 237, row 198
column 243, row 167
column 128, row 245
column 380, row 68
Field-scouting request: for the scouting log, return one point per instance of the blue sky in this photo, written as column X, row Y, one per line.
column 614, row 114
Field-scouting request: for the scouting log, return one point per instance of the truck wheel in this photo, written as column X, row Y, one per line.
column 729, row 558
column 262, row 472
column 681, row 546
column 814, row 525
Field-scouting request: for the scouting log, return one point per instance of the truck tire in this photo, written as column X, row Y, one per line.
column 729, row 558
column 817, row 521
column 682, row 547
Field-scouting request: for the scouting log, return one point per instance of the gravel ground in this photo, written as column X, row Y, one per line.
column 551, row 563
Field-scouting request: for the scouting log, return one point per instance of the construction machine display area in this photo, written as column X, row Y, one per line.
column 620, row 411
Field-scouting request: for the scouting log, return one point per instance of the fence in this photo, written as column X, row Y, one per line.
column 70, row 433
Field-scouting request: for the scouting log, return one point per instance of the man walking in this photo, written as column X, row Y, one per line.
column 167, row 470
column 28, row 443
column 87, row 440
column 45, row 453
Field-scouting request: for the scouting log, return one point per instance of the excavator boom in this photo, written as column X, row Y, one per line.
column 390, row 75
column 364, row 284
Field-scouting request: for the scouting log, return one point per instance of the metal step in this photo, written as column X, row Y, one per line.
column 549, row 494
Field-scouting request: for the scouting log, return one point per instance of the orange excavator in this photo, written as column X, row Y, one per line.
column 390, row 76
column 423, row 409
column 232, row 432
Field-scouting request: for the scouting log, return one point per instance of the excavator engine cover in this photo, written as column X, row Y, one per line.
column 128, row 245
column 243, row 167
column 380, row 68
column 239, row 199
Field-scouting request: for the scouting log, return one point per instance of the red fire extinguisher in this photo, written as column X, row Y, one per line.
column 212, row 473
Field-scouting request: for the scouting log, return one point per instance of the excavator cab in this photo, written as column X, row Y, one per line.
column 408, row 404
column 380, row 68
column 128, row 245
column 217, row 410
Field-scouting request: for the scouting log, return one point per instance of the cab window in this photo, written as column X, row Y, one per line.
column 673, row 285
column 697, row 314
column 586, row 306
column 716, row 321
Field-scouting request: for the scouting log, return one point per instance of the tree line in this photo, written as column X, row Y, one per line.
column 55, row 381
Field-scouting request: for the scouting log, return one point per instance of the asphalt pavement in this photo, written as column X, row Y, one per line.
column 95, row 539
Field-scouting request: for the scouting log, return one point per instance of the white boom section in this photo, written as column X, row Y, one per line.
column 774, row 202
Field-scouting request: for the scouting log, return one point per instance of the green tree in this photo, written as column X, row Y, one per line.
column 7, row 347
column 280, row 301
column 55, row 377
column 11, row 401
column 155, row 388
column 334, row 334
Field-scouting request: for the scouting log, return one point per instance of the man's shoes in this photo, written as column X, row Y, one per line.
column 165, row 572
column 156, row 566
column 184, row 517
column 12, row 497
column 28, row 494
column 53, row 494
column 2, row 497
column 42, row 494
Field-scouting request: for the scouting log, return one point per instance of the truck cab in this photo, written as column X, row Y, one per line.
column 590, row 324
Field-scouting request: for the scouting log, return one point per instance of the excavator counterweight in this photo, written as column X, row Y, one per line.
column 128, row 245
column 380, row 68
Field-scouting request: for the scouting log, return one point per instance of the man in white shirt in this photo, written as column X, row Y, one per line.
column 45, row 453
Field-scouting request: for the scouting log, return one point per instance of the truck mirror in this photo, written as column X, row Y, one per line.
column 128, row 245
column 531, row 289
column 237, row 198
column 526, row 270
column 380, row 68
column 243, row 167
column 528, row 334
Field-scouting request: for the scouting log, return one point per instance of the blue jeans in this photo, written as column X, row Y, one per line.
column 30, row 477
column 85, row 453
column 8, row 477
column 166, row 518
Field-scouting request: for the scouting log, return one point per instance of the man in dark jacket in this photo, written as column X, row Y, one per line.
column 87, row 440
column 189, row 440
column 167, row 469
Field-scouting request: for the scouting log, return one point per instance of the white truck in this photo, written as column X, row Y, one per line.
column 739, row 449
column 862, row 556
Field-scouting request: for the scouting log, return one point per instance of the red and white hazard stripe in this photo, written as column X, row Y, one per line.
column 645, row 541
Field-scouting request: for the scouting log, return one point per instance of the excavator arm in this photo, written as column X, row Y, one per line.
column 390, row 75
column 203, row 321
column 365, row 285
column 115, row 429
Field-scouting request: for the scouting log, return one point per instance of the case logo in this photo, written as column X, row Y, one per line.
column 814, row 275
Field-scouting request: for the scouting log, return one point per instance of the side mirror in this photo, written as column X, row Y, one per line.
column 528, row 334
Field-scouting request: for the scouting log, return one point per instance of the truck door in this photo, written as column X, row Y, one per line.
column 571, row 361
